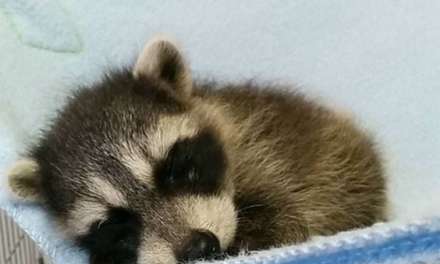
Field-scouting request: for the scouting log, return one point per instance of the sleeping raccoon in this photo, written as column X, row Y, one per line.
column 149, row 166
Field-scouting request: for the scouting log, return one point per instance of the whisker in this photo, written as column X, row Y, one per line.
column 249, row 207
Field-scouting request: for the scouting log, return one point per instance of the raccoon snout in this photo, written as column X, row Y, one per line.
column 202, row 244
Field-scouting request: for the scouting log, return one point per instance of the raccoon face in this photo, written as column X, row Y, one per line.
column 132, row 170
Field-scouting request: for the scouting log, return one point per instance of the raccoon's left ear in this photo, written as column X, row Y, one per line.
column 162, row 59
column 24, row 181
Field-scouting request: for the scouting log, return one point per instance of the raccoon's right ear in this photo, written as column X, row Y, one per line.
column 162, row 59
column 24, row 181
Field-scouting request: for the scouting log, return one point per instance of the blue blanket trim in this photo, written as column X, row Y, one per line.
column 397, row 247
column 391, row 243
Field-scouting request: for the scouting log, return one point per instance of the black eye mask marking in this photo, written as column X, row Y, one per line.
column 115, row 240
column 193, row 165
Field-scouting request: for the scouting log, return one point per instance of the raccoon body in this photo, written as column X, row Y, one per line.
column 149, row 166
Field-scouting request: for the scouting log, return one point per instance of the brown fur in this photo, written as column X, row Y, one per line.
column 257, row 166
column 298, row 169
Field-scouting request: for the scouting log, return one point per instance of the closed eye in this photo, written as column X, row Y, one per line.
column 116, row 237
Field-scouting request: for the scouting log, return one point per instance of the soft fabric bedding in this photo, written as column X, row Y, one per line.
column 377, row 59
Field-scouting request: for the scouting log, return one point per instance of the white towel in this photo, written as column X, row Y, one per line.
column 42, row 24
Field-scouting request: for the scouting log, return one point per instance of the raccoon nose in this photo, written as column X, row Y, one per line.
column 201, row 245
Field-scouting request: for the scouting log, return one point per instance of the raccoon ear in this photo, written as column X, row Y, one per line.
column 24, row 180
column 162, row 59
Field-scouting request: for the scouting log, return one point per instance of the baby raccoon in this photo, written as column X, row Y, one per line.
column 149, row 166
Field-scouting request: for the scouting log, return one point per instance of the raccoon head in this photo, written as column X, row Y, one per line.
column 132, row 170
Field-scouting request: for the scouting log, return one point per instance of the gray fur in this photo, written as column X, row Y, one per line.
column 286, row 168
